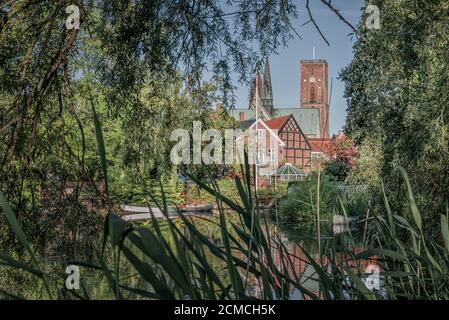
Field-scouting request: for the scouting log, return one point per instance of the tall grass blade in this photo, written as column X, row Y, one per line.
column 415, row 211
column 445, row 231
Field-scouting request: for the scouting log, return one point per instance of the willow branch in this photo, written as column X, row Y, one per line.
column 315, row 24
column 337, row 12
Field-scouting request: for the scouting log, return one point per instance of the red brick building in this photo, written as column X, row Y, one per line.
column 297, row 149
column 303, row 129
column 314, row 90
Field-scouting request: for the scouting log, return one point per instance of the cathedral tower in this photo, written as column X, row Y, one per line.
column 267, row 89
column 314, row 90
column 258, row 87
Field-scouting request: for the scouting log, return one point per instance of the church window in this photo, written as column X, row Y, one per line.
column 312, row 94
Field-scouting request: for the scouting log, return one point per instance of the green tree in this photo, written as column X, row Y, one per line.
column 397, row 89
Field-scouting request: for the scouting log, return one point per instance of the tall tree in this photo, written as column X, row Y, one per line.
column 397, row 89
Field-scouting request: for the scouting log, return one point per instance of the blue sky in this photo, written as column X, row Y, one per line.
column 285, row 65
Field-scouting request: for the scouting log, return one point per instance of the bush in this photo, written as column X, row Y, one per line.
column 268, row 195
column 337, row 169
column 300, row 205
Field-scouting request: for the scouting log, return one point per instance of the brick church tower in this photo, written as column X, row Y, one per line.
column 314, row 90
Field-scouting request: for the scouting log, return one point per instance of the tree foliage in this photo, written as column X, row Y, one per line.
column 397, row 89
column 140, row 63
column 342, row 154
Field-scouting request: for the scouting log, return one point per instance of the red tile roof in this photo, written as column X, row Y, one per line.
column 320, row 144
column 277, row 123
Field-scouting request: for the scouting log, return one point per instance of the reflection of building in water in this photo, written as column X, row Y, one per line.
column 289, row 259
column 298, row 267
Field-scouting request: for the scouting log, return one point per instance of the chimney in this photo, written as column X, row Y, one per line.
column 242, row 116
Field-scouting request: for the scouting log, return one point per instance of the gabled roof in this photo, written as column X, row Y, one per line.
column 262, row 125
column 307, row 118
column 277, row 123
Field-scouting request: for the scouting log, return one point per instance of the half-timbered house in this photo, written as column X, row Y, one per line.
column 297, row 149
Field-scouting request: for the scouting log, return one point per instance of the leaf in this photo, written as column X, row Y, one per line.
column 140, row 292
column 360, row 285
column 10, row 296
column 415, row 211
column 14, row 224
column 389, row 212
column 116, row 228
column 11, row 262
column 109, row 276
column 445, row 231
column 147, row 273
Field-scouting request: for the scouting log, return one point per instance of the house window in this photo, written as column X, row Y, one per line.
column 316, row 155
column 272, row 155
column 260, row 133
column 260, row 156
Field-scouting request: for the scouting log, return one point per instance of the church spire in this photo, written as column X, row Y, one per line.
column 267, row 96
column 258, row 95
column 252, row 95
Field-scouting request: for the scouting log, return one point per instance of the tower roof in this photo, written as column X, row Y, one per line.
column 313, row 61
column 257, row 82
column 267, row 87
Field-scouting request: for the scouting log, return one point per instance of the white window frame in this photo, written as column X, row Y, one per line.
column 260, row 133
column 316, row 155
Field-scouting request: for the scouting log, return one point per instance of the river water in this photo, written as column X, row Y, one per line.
column 295, row 238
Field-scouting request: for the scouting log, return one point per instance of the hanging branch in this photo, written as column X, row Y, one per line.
column 337, row 12
column 315, row 24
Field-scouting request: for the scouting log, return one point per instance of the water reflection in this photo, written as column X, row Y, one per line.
column 295, row 241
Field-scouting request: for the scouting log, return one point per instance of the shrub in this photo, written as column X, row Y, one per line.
column 272, row 193
column 301, row 203
column 337, row 169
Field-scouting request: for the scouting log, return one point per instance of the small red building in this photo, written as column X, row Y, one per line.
column 281, row 141
column 297, row 149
